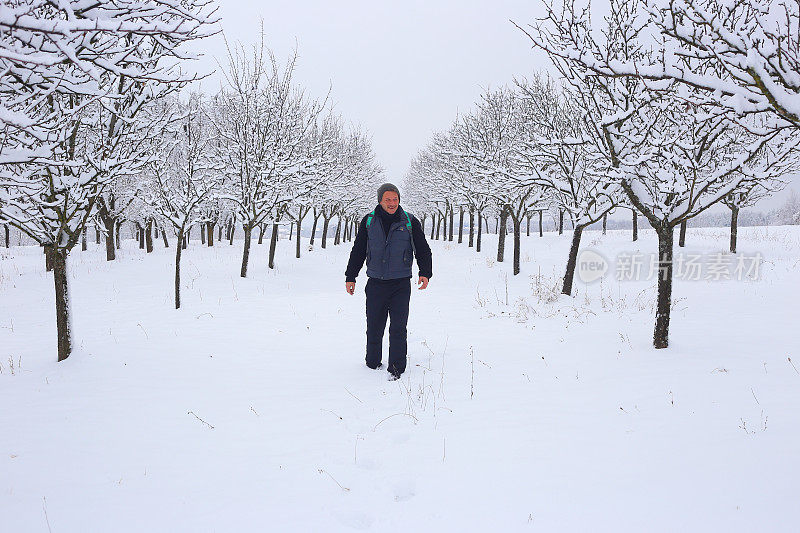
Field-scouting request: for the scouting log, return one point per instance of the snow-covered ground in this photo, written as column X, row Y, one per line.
column 250, row 409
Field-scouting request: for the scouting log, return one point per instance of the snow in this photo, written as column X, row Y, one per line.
column 528, row 412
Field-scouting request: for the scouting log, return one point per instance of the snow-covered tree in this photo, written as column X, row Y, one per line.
column 183, row 174
column 359, row 179
column 673, row 157
column 564, row 160
column 757, row 187
column 495, row 135
column 749, row 51
column 75, row 75
column 262, row 121
column 323, row 151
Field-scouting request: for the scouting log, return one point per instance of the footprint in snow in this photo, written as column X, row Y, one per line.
column 354, row 519
column 405, row 490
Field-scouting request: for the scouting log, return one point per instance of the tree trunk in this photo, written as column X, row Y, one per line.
column 480, row 228
column 314, row 229
column 248, row 231
column 48, row 258
column 471, row 228
column 233, row 232
column 635, row 225
column 110, row 226
column 325, row 223
column 261, row 229
column 501, row 235
column 661, row 334
column 140, row 233
column 734, row 227
column 528, row 227
column 84, row 244
column 422, row 222
column 6, row 231
column 291, row 231
column 202, row 234
column 185, row 241
column 460, row 225
column 219, row 233
column 273, row 243
column 210, row 233
column 572, row 260
column 433, row 225
column 560, row 221
column 148, row 235
column 164, row 237
column 450, row 237
column 682, row 235
column 178, row 250
column 439, row 227
column 517, row 231
column 63, row 311
column 605, row 218
column 117, row 240
column 541, row 233
column 297, row 248
column 337, row 239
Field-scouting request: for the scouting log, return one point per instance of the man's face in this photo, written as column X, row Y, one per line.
column 390, row 201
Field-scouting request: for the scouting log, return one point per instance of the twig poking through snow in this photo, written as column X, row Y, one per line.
column 355, row 449
column 425, row 344
column 143, row 331
column 754, row 395
column 790, row 362
column 472, row 373
column 321, row 471
column 353, row 395
column 331, row 412
column 396, row 414
column 200, row 419
column 44, row 506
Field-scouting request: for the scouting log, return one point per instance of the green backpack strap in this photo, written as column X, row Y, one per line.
column 410, row 232
column 369, row 217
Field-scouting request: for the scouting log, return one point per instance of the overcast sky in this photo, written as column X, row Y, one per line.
column 400, row 69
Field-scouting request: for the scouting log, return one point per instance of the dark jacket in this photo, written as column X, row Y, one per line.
column 387, row 248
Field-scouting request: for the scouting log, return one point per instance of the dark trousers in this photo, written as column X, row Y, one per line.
column 387, row 297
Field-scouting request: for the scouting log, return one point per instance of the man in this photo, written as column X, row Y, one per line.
column 388, row 238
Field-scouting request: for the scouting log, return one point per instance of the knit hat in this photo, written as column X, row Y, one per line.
column 387, row 187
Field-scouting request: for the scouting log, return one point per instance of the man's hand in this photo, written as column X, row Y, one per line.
column 350, row 286
column 423, row 282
